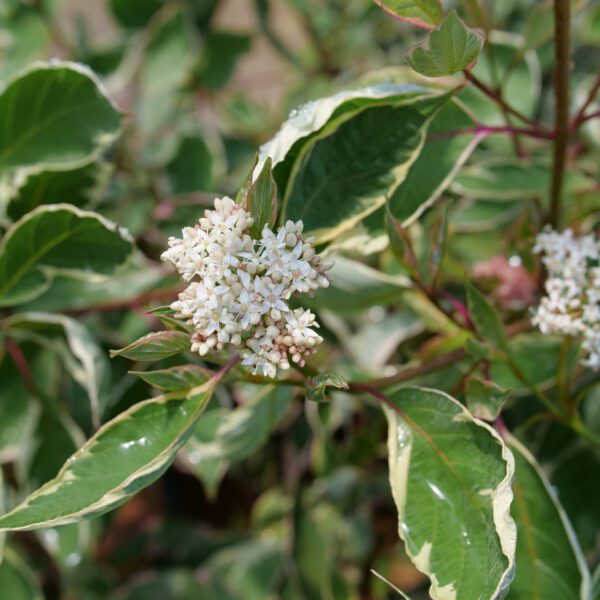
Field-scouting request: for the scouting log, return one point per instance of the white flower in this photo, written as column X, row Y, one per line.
column 239, row 296
column 572, row 302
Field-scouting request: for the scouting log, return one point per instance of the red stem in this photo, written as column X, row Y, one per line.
column 21, row 363
column 580, row 116
column 459, row 307
column 486, row 130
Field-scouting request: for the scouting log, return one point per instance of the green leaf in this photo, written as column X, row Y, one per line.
column 422, row 13
column 346, row 171
column 243, row 430
column 124, row 456
column 439, row 162
column 79, row 187
column 374, row 343
column 220, row 54
column 521, row 81
column 549, row 561
column 70, row 292
column 210, row 470
column 317, row 542
column 64, row 118
column 316, row 389
column 131, row 13
column 484, row 315
column 309, row 120
column 355, row 286
column 3, row 508
column 398, row 239
column 448, row 49
column 86, row 361
column 25, row 38
column 155, row 346
column 17, row 580
column 169, row 62
column 537, row 357
column 175, row 378
column 260, row 200
column 485, row 400
column 58, row 237
column 17, row 413
column 226, row 436
column 250, row 570
column 54, row 439
column 450, row 476
column 68, row 545
column 174, row 583
column 596, row 584
column 191, row 168
column 507, row 180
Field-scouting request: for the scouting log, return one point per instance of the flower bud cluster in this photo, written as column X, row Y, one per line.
column 240, row 287
column 572, row 302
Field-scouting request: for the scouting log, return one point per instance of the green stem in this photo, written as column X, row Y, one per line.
column 541, row 396
column 562, row 51
column 561, row 375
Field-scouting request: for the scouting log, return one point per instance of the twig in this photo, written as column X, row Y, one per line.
column 15, row 352
column 430, row 366
column 589, row 117
column 562, row 26
column 580, row 116
column 490, row 129
column 494, row 95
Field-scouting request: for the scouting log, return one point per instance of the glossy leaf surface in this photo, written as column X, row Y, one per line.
column 550, row 564
column 450, row 476
column 345, row 172
column 57, row 237
column 54, row 116
column 155, row 346
column 124, row 456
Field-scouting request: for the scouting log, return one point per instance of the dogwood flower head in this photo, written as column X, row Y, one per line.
column 240, row 288
column 572, row 302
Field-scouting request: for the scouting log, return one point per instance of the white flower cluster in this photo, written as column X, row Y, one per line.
column 241, row 287
column 572, row 304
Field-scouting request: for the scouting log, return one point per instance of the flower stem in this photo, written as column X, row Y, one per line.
column 562, row 27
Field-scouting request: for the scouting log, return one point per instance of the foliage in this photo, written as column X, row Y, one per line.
column 429, row 145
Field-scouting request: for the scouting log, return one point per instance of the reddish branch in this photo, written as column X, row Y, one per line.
column 486, row 130
column 580, row 117
column 497, row 97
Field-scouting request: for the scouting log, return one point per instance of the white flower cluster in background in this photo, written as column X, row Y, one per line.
column 572, row 302
column 240, row 288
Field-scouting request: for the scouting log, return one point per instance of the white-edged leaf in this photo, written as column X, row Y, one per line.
column 347, row 170
column 124, row 456
column 86, row 360
column 422, row 13
column 54, row 116
column 550, row 563
column 57, row 238
column 450, row 476
column 17, row 579
column 310, row 118
column 155, row 346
